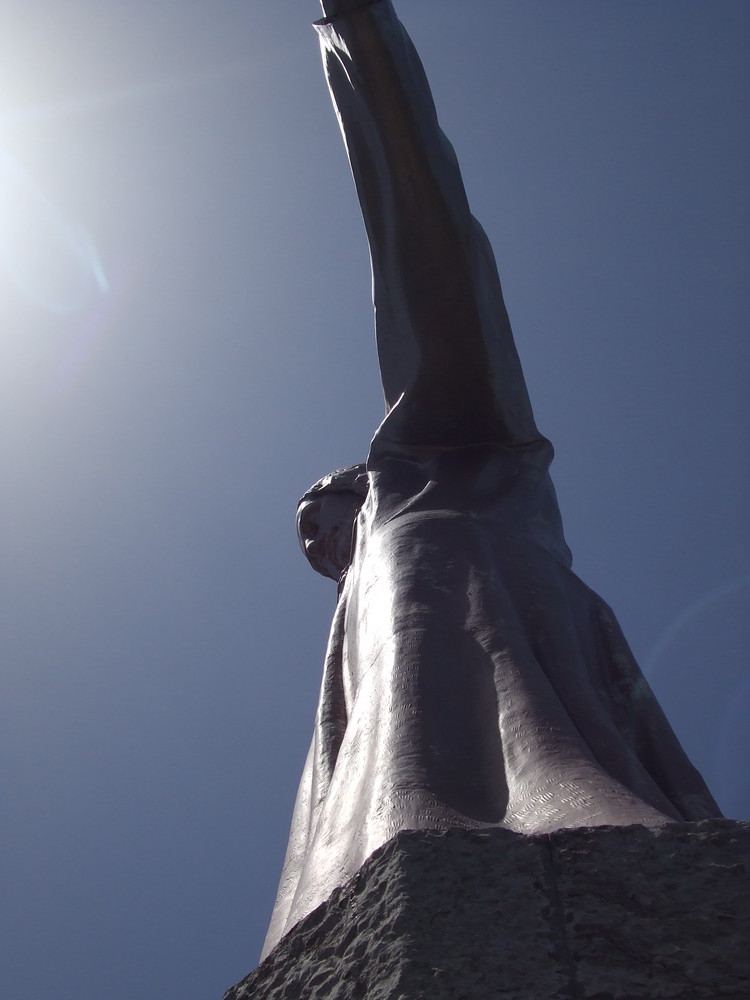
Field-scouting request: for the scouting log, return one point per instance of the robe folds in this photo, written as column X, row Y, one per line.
column 471, row 678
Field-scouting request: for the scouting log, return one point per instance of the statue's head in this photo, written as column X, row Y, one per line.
column 326, row 516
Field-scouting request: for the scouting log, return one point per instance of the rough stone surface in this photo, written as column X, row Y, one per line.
column 595, row 914
column 657, row 912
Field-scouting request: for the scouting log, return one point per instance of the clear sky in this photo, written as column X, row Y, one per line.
column 186, row 344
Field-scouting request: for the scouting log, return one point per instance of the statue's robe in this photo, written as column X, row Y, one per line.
column 471, row 678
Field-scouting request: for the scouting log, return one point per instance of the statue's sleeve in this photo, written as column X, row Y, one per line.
column 450, row 371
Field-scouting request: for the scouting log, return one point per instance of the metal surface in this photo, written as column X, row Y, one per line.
column 471, row 678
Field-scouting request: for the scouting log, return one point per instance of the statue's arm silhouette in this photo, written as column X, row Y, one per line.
column 450, row 371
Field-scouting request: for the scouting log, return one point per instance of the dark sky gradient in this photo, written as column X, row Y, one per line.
column 186, row 344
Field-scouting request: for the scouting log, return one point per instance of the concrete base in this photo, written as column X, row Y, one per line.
column 597, row 914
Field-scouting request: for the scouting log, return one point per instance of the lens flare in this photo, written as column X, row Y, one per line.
column 685, row 617
column 52, row 261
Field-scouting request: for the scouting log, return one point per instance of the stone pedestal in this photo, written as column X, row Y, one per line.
column 596, row 914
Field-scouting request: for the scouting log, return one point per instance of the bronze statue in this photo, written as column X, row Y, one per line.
column 471, row 678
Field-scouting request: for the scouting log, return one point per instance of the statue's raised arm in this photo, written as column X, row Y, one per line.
column 450, row 371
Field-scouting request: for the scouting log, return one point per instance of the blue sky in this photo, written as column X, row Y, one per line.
column 186, row 344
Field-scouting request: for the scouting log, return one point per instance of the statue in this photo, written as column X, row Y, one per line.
column 471, row 678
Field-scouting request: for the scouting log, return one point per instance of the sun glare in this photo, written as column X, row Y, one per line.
column 48, row 258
